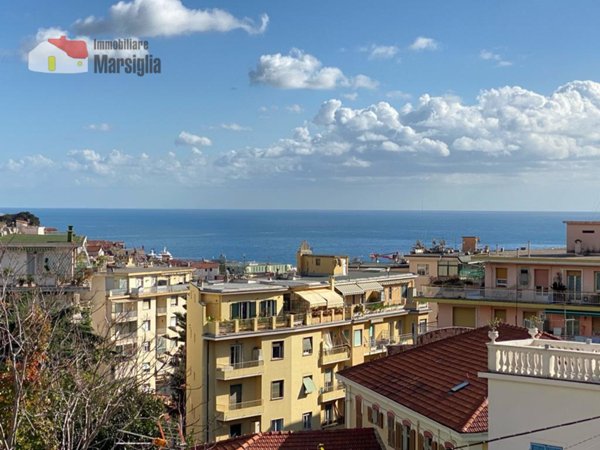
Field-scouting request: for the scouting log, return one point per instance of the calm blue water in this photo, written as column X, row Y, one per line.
column 274, row 235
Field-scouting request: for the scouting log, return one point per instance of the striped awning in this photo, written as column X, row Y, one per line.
column 370, row 286
column 334, row 300
column 322, row 297
column 313, row 298
column 349, row 289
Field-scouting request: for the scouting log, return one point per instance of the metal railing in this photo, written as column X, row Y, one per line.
column 234, row 406
column 241, row 365
column 512, row 294
column 332, row 386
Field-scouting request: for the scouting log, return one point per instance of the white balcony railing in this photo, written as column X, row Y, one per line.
column 571, row 361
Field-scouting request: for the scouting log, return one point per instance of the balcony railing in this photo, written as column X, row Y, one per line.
column 300, row 319
column 571, row 361
column 240, row 370
column 332, row 391
column 239, row 410
column 513, row 295
column 124, row 316
column 155, row 290
column 335, row 354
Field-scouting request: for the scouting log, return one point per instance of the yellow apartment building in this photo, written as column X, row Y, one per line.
column 262, row 354
column 135, row 307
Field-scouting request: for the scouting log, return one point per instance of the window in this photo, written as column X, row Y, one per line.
column 390, row 293
column 307, row 347
column 405, row 436
column 427, row 442
column 268, row 308
column 146, row 325
column 146, row 346
column 447, row 269
column 243, row 310
column 277, row 351
column 174, row 303
column 307, row 421
column 277, row 390
column 359, row 416
column 544, row 447
column 501, row 276
column 597, row 280
column 235, row 430
column 329, row 414
column 173, row 321
column 277, row 425
column 146, row 367
column 318, row 261
column 308, row 385
column 391, row 431
column 357, row 338
column 422, row 326
column 422, row 269
column 146, row 305
column 524, row 277
column 235, row 354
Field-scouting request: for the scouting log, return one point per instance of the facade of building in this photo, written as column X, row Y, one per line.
column 262, row 354
column 557, row 287
column 539, row 384
column 136, row 307
column 44, row 260
column 429, row 397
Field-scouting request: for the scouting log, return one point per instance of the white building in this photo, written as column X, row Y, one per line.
column 538, row 384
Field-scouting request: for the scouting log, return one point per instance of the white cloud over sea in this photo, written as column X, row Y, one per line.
column 506, row 132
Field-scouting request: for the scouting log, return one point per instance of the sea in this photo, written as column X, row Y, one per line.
column 275, row 235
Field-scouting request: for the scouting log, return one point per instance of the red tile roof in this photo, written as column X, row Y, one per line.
column 353, row 439
column 421, row 378
column 73, row 48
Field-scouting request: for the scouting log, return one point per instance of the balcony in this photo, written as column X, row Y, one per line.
column 511, row 295
column 335, row 355
column 153, row 291
column 559, row 360
column 124, row 316
column 376, row 346
column 236, row 411
column 240, row 370
column 304, row 319
column 331, row 392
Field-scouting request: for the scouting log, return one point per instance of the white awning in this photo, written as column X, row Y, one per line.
column 349, row 289
column 334, row 300
column 313, row 298
column 370, row 286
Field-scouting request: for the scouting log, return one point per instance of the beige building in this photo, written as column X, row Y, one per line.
column 135, row 307
column 262, row 355
column 560, row 287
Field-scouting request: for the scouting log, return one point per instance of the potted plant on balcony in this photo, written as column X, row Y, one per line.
column 493, row 332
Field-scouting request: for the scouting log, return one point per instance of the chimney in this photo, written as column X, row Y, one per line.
column 70, row 233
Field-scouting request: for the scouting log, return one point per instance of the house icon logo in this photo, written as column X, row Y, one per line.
column 59, row 56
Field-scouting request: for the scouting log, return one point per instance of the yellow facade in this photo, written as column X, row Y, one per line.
column 272, row 365
column 135, row 307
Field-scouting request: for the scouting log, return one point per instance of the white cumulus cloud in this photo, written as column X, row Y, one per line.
column 192, row 140
column 300, row 70
column 149, row 18
column 235, row 127
column 424, row 43
column 487, row 55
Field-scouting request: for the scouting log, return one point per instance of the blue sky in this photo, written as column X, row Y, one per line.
column 269, row 104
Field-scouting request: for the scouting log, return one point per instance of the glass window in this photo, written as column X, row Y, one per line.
column 243, row 310
column 357, row 338
column 277, row 425
column 307, row 347
column 501, row 276
column 147, row 305
column 146, row 346
column 307, row 421
column 174, row 303
column 146, row 325
column 268, row 308
column 235, row 430
column 277, row 389
column 422, row 269
column 597, row 278
column 277, row 351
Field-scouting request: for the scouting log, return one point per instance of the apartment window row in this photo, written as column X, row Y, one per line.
column 248, row 309
column 277, row 387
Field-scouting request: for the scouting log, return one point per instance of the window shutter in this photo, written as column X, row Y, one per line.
column 370, row 414
column 399, row 436
column 434, row 446
column 413, row 440
column 380, row 420
column 420, row 441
